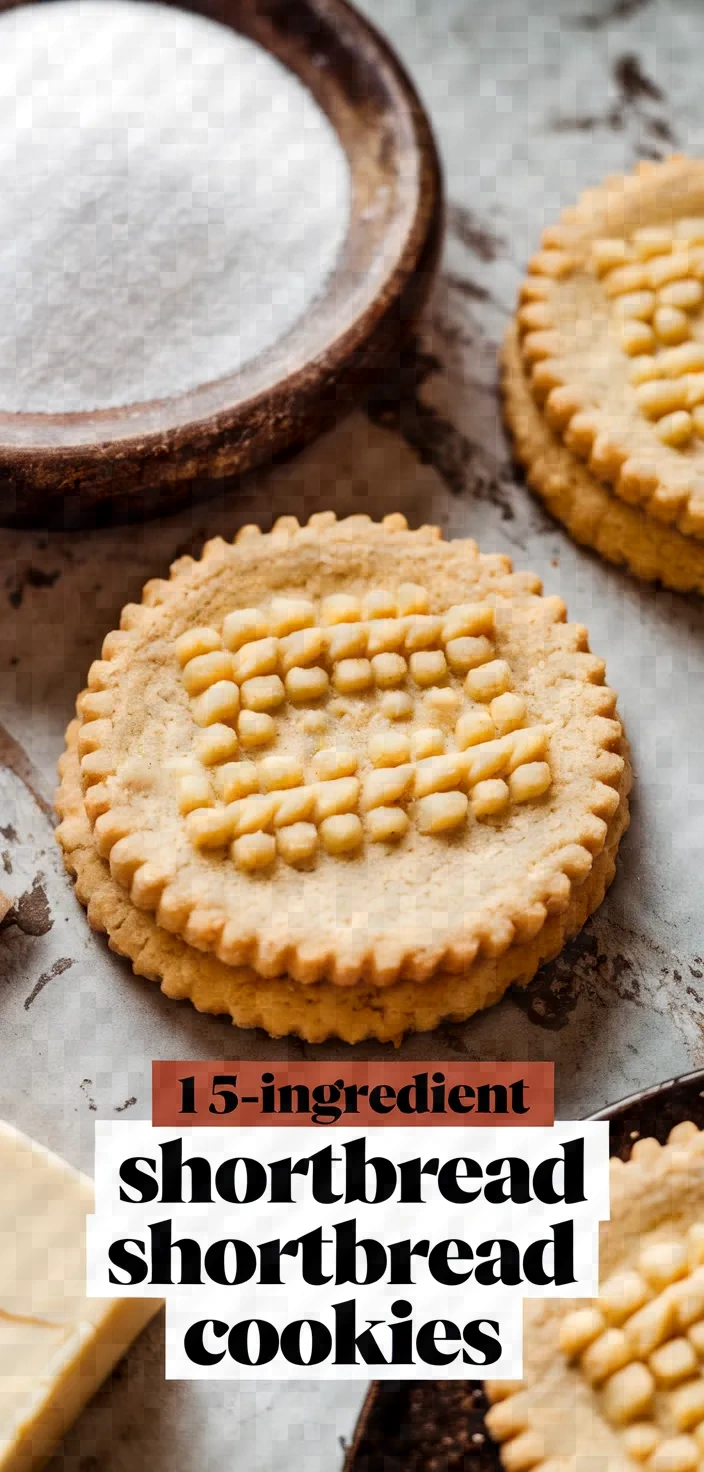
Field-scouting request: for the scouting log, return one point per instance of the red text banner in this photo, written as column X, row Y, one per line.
column 236, row 1092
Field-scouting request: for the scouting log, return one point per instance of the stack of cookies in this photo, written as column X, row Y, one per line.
column 604, row 371
column 344, row 779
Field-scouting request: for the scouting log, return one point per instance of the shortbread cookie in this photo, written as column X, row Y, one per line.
column 612, row 336
column 350, row 754
column 591, row 511
column 281, row 1006
column 618, row 1382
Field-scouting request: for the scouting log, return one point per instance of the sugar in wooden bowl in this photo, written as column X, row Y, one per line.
column 215, row 223
column 173, row 199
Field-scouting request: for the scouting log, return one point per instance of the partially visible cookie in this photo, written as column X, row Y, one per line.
column 349, row 759
column 592, row 512
column 611, row 343
column 618, row 1382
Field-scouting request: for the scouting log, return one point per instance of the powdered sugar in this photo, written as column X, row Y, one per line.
column 171, row 201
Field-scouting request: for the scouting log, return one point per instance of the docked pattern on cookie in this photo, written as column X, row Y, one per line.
column 635, row 1354
column 455, row 744
column 611, row 334
column 640, row 1347
column 654, row 280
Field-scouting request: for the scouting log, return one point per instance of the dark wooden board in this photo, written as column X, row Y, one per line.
column 64, row 469
column 402, row 1424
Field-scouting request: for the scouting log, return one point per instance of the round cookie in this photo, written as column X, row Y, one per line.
column 611, row 326
column 618, row 1381
column 351, row 759
column 591, row 511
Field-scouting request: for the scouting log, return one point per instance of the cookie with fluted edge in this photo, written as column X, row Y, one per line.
column 618, row 1382
column 590, row 509
column 379, row 770
column 611, row 328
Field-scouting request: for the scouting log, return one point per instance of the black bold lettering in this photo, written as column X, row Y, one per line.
column 440, row 1261
column 572, row 1165
column 128, row 1262
column 348, row 1341
column 400, row 1254
column 378, row 1097
column 320, row 1342
column 238, row 1342
column 194, row 1341
column 402, row 1334
column 281, row 1172
column 410, row 1172
column 145, row 1186
column 172, row 1167
column 456, row 1099
column 270, row 1262
column 268, row 1094
column 487, row 1346
column 353, row 1092
column 427, row 1341
column 215, row 1262
column 346, row 1249
column 514, row 1186
column 311, row 1249
column 451, row 1177
column 357, row 1166
column 413, row 1097
column 327, row 1108
column 162, row 1247
column 484, row 1099
column 255, row 1180
column 286, row 1092
column 322, row 1163
column 561, row 1247
column 504, row 1268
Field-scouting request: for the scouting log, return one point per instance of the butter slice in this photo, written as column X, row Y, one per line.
column 56, row 1345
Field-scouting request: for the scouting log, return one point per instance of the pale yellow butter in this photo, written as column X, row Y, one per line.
column 56, row 1345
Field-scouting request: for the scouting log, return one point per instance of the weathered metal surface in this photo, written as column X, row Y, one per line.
column 528, row 110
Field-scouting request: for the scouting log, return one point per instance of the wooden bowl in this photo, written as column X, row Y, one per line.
column 653, row 1111
column 64, row 469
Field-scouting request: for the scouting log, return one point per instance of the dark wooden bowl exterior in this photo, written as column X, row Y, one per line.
column 129, row 462
column 651, row 1112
